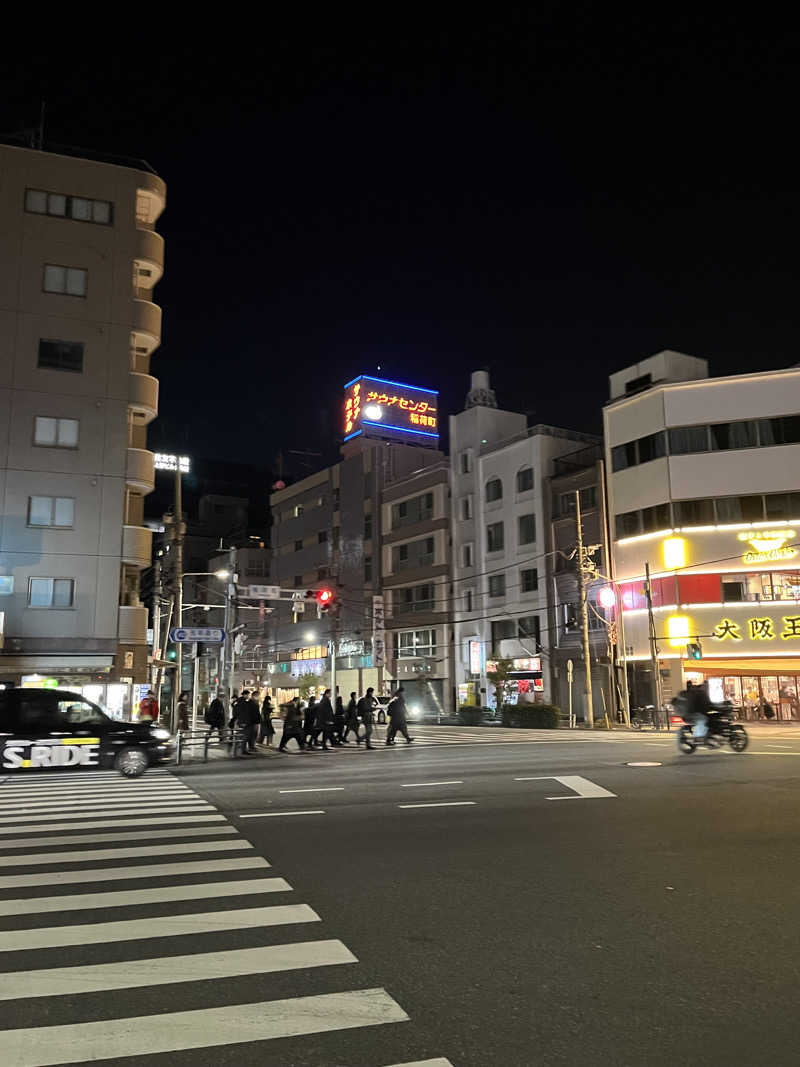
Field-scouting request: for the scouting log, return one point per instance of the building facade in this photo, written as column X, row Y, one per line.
column 79, row 257
column 502, row 606
column 703, row 487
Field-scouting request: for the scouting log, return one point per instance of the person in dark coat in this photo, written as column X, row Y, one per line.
column 267, row 729
column 310, row 722
column 215, row 717
column 397, row 718
column 325, row 720
column 292, row 725
column 351, row 720
column 183, row 710
column 254, row 716
column 366, row 709
column 338, row 721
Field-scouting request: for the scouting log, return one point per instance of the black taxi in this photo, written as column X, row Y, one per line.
column 53, row 728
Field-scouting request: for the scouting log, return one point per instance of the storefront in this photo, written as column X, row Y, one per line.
column 120, row 700
column 525, row 682
column 760, row 689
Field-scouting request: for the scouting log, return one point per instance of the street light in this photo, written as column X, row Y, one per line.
column 309, row 635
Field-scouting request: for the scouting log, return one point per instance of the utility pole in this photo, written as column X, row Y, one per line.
column 589, row 713
column 653, row 645
column 179, row 532
column 156, row 619
column 334, row 610
column 226, row 651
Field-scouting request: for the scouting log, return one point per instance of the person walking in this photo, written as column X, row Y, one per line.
column 325, row 720
column 215, row 716
column 292, row 726
column 351, row 720
column 267, row 729
column 310, row 722
column 339, row 721
column 254, row 716
column 183, row 710
column 397, row 718
column 366, row 709
column 148, row 708
column 243, row 722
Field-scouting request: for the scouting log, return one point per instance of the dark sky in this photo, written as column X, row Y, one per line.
column 552, row 195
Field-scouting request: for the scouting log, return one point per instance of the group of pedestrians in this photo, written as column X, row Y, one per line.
column 253, row 722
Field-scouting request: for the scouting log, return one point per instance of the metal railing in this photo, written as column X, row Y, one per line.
column 189, row 741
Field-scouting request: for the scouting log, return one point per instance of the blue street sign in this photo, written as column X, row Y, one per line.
column 212, row 635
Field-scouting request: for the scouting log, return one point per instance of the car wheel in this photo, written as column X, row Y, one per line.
column 131, row 762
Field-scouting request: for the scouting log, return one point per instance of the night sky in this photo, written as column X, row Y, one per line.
column 552, row 195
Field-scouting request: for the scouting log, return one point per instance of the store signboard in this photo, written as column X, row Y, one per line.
column 529, row 664
column 301, row 667
column 375, row 404
column 475, row 656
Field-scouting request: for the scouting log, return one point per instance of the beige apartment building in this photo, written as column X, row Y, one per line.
column 79, row 257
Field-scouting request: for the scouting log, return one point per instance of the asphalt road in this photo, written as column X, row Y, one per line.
column 496, row 904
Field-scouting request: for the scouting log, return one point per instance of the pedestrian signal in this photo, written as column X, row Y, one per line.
column 172, row 654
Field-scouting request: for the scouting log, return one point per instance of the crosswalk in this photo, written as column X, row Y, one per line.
column 429, row 736
column 127, row 905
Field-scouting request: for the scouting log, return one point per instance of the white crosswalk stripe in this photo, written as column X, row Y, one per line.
column 98, row 816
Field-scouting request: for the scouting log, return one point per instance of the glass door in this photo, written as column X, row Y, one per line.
column 751, row 698
column 770, row 701
column 787, row 694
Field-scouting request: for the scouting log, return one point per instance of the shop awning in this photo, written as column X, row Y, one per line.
column 757, row 665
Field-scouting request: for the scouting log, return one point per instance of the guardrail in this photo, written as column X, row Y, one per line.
column 188, row 741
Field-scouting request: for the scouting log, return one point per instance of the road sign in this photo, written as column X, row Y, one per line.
column 211, row 635
column 264, row 592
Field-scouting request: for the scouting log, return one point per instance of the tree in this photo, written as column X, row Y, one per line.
column 500, row 678
column 306, row 683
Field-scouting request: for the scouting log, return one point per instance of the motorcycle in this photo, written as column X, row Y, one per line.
column 722, row 729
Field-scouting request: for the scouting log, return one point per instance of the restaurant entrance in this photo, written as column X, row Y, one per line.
column 761, row 691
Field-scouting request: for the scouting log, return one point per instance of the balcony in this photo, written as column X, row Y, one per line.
column 137, row 546
column 149, row 251
column 143, row 395
column 132, row 625
column 146, row 325
column 140, row 470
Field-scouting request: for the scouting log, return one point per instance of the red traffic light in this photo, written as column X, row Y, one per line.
column 324, row 596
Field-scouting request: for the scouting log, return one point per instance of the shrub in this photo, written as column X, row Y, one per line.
column 470, row 715
column 532, row 716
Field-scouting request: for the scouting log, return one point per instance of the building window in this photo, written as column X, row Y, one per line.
column 740, row 509
column 298, row 511
column 628, row 524
column 655, row 518
column 529, row 580
column 688, row 439
column 466, row 555
column 6, row 584
column 367, row 527
column 298, row 546
column 408, row 512
column 494, row 490
column 322, row 573
column 623, row 456
column 410, row 644
column 694, row 512
column 783, row 505
column 729, row 435
column 61, row 355
column 785, row 431
column 51, row 592
column 298, row 581
column 528, row 628
column 367, row 568
column 527, row 529
column 415, row 598
column 469, row 600
column 503, row 630
column 589, row 497
column 466, row 507
column 413, row 554
column 525, row 480
column 495, row 539
column 465, row 462
column 566, row 501
column 79, row 208
column 652, row 447
column 497, row 585
column 71, row 281
column 55, row 433
column 322, row 537
column 51, row 511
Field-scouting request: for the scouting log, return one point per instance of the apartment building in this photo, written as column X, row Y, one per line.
column 79, row 257
column 703, row 487
column 502, row 606
column 416, row 582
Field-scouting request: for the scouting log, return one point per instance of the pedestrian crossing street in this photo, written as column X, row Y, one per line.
column 128, row 911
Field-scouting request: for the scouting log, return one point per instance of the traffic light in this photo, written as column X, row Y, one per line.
column 172, row 653
column 694, row 650
column 326, row 601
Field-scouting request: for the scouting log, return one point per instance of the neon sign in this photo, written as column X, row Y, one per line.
column 378, row 407
column 768, row 545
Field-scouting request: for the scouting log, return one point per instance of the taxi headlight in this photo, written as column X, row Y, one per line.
column 160, row 734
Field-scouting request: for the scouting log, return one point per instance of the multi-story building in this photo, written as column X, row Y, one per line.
column 416, row 582
column 79, row 256
column 500, row 513
column 581, row 471
column 703, row 487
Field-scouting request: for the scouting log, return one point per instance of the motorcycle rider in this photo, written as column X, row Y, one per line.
column 699, row 708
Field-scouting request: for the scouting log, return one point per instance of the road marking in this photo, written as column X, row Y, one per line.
column 317, row 789
column 440, row 1062
column 441, row 804
column 174, row 849
column 203, row 1028
column 209, row 922
column 273, row 814
column 658, row 744
column 419, row 785
column 166, row 970
column 761, row 752
column 126, row 897
column 582, row 788
column 644, row 763
column 177, row 809
column 115, row 874
column 779, row 746
column 100, row 823
column 14, row 806
column 136, row 835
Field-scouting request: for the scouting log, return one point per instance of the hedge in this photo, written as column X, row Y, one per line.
column 532, row 716
column 470, row 715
